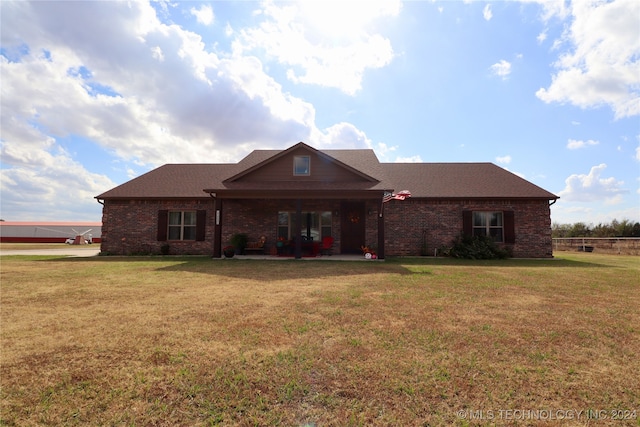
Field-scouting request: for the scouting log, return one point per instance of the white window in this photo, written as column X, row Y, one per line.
column 489, row 224
column 301, row 166
column 182, row 225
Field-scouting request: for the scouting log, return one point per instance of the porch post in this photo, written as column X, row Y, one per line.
column 217, row 228
column 381, row 235
column 298, row 231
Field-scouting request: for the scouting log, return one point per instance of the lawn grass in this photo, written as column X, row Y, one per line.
column 195, row 341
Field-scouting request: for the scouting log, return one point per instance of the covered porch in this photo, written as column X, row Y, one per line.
column 294, row 224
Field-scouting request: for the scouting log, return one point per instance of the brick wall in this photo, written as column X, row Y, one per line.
column 439, row 222
column 130, row 227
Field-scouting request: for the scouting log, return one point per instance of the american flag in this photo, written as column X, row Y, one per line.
column 401, row 195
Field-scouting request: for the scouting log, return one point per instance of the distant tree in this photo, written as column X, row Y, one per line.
column 579, row 229
column 560, row 230
column 602, row 230
column 624, row 228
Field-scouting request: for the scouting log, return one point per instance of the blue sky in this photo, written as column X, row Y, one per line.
column 97, row 93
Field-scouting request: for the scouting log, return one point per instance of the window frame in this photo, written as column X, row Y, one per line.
column 192, row 228
column 486, row 228
column 303, row 169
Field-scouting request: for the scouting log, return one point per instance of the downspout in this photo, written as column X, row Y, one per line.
column 102, row 203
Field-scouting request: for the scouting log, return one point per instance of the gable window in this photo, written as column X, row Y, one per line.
column 488, row 224
column 301, row 166
column 182, row 225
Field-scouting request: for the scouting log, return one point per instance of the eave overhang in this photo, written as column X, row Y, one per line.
column 295, row 194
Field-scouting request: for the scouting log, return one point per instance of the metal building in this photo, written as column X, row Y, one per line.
column 49, row 232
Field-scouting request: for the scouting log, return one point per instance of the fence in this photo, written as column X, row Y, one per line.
column 609, row 245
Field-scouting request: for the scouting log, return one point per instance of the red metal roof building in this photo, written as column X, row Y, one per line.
column 48, row 232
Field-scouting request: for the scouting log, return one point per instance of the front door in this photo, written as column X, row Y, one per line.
column 352, row 227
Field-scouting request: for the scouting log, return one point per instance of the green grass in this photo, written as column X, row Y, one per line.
column 195, row 341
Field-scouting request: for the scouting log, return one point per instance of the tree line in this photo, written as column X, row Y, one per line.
column 615, row 228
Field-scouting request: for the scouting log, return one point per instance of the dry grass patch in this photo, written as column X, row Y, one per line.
column 194, row 341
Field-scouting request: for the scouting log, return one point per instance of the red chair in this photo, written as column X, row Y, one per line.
column 327, row 244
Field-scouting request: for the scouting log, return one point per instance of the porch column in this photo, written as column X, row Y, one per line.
column 217, row 228
column 381, row 235
column 298, row 232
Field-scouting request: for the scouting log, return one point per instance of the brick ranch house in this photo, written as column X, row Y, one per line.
column 196, row 208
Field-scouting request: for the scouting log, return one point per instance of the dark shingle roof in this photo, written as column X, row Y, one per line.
column 461, row 180
column 432, row 180
column 172, row 181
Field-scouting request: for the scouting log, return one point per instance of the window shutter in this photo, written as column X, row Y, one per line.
column 467, row 224
column 509, row 227
column 163, row 224
column 201, row 217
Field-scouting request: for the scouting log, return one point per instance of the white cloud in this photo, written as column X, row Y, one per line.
column 412, row 159
column 45, row 174
column 551, row 8
column 603, row 66
column 204, row 15
column 146, row 93
column 384, row 151
column 504, row 160
column 340, row 135
column 156, row 52
column 573, row 144
column 593, row 188
column 323, row 43
column 542, row 37
column 501, row 69
column 486, row 12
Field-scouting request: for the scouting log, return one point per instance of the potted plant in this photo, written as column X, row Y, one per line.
column 229, row 251
column 239, row 242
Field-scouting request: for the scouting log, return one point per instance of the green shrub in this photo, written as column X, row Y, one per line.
column 239, row 241
column 476, row 247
